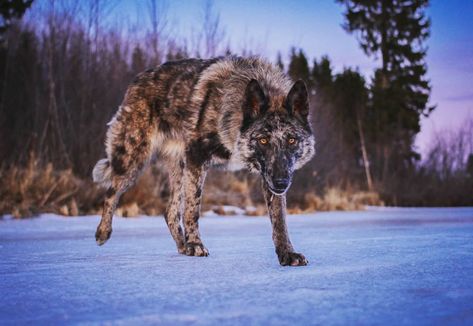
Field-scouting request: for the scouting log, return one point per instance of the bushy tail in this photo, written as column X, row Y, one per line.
column 102, row 173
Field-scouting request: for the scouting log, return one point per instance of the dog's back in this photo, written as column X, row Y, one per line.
column 168, row 107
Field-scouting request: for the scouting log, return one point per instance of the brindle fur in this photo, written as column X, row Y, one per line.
column 196, row 113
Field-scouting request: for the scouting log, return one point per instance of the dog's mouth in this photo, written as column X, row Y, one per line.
column 278, row 189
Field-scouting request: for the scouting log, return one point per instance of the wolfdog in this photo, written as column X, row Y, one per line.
column 191, row 114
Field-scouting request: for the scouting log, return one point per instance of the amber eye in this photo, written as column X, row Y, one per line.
column 291, row 141
column 263, row 141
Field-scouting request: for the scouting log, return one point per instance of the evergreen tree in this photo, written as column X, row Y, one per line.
column 322, row 76
column 138, row 60
column 350, row 96
column 325, row 128
column 279, row 62
column 299, row 66
column 394, row 31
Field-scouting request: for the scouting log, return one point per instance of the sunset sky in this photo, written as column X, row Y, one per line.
column 315, row 26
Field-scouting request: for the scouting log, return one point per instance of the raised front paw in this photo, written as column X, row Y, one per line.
column 196, row 249
column 292, row 259
column 103, row 234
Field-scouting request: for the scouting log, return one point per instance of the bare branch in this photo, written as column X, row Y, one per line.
column 213, row 33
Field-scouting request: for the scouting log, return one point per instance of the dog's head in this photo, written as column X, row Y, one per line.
column 276, row 141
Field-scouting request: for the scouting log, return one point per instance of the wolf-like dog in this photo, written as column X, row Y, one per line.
column 192, row 114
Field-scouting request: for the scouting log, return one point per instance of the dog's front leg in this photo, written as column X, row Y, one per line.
column 277, row 213
column 194, row 181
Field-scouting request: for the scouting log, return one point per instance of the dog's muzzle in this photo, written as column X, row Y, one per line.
column 279, row 186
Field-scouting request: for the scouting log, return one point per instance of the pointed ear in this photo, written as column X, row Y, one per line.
column 255, row 102
column 297, row 101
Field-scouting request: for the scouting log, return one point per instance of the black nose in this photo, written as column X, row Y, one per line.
column 280, row 184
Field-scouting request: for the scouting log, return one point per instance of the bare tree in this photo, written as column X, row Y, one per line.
column 195, row 41
column 52, row 134
column 158, row 18
column 213, row 33
column 450, row 151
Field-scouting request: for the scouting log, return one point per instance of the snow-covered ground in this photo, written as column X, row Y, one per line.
column 381, row 266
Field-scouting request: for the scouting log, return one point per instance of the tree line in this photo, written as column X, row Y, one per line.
column 63, row 73
column 366, row 129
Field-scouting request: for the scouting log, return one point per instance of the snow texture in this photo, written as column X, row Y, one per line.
column 381, row 266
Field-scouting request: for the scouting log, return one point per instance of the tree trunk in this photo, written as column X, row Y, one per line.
column 386, row 157
column 364, row 153
column 53, row 128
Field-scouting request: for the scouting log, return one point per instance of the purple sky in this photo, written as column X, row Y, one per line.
column 271, row 26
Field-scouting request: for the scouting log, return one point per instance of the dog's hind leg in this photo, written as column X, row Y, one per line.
column 194, row 180
column 119, row 186
column 130, row 145
column 104, row 229
column 112, row 196
column 174, row 208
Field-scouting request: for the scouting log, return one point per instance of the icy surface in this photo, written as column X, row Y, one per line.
column 388, row 266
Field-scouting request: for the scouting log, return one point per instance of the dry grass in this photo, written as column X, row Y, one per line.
column 39, row 188
column 148, row 197
column 226, row 188
column 259, row 210
column 340, row 200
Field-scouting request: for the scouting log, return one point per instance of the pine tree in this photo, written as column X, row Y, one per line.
column 350, row 96
column 138, row 60
column 299, row 66
column 322, row 74
column 279, row 62
column 394, row 31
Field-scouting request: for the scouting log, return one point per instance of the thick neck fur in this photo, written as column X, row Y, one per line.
column 230, row 77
